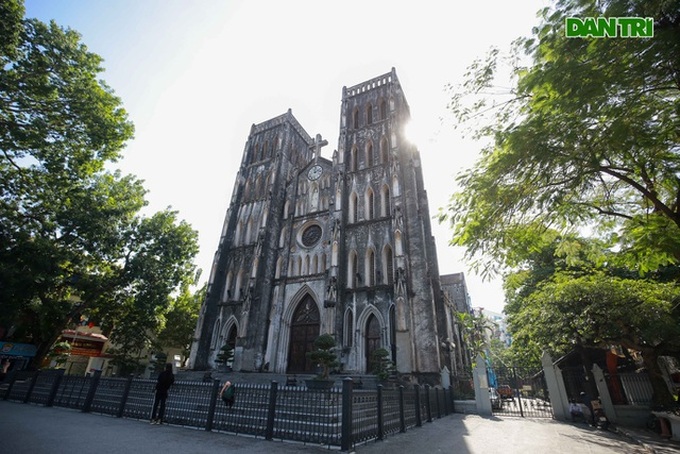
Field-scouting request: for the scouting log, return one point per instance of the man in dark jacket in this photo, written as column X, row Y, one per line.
column 165, row 381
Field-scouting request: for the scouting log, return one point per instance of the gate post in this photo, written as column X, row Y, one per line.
column 481, row 381
column 428, row 406
column 419, row 418
column 214, row 391
column 94, row 384
column 346, row 421
column 402, row 417
column 556, row 389
column 34, row 379
column 124, row 398
column 603, row 391
column 381, row 435
column 271, row 412
column 55, row 387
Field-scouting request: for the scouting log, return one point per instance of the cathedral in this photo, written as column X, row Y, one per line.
column 341, row 246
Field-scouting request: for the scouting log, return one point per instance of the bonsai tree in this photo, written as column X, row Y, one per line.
column 324, row 355
column 225, row 356
column 382, row 366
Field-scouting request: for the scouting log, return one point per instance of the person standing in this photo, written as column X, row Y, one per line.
column 163, row 384
column 227, row 394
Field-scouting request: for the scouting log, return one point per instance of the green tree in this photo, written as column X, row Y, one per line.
column 601, row 310
column 566, row 293
column 587, row 136
column 383, row 367
column 225, row 356
column 473, row 328
column 72, row 241
column 180, row 322
column 324, row 355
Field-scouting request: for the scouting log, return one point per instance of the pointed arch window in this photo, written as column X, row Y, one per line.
column 355, row 118
column 352, row 269
column 239, row 291
column 385, row 207
column 226, row 295
column 383, row 109
column 370, row 268
column 349, row 329
column 369, row 114
column 388, row 265
column 353, row 208
column 370, row 204
column 353, row 159
column 383, row 150
column 369, row 155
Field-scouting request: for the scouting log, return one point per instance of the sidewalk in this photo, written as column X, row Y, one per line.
column 650, row 440
column 27, row 428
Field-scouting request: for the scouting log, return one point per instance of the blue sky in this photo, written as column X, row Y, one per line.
column 195, row 75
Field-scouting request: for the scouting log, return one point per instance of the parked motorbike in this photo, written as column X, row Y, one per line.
column 601, row 420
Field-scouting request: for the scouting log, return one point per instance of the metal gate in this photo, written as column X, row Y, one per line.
column 519, row 392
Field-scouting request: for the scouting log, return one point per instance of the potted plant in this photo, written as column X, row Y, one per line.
column 225, row 356
column 324, row 356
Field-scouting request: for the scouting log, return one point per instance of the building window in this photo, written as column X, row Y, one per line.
column 355, row 118
column 352, row 270
column 383, row 110
column 370, row 268
column 388, row 265
column 385, row 208
column 370, row 204
column 383, row 150
column 369, row 154
column 353, row 159
column 369, row 114
column 353, row 208
column 349, row 329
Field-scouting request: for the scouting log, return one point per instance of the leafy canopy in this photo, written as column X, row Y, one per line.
column 586, row 137
column 72, row 241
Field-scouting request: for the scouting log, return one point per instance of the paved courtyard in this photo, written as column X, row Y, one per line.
column 26, row 428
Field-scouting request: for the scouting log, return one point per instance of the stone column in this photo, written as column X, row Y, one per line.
column 556, row 388
column 603, row 391
column 482, row 396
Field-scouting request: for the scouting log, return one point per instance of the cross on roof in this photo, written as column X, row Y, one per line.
column 316, row 146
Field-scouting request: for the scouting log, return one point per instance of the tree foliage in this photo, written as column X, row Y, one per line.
column 324, row 355
column 225, row 355
column 587, row 136
column 562, row 298
column 180, row 321
column 72, row 240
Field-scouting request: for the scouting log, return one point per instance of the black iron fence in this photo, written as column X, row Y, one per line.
column 339, row 417
column 521, row 392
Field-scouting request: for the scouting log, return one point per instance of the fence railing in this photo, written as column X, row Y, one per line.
column 339, row 417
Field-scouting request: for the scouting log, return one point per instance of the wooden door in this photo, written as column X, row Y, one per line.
column 304, row 330
column 372, row 340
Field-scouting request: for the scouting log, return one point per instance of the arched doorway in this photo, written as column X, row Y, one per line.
column 304, row 330
column 372, row 340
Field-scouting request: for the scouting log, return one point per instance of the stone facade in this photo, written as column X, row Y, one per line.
column 456, row 299
column 340, row 246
